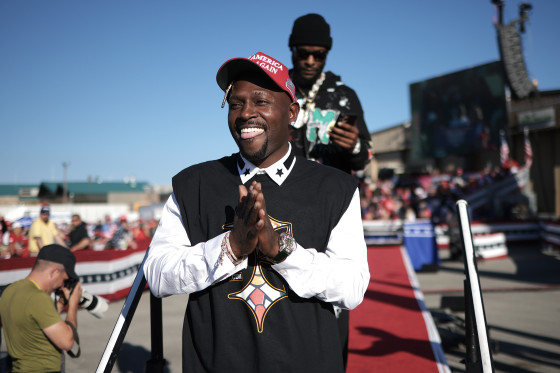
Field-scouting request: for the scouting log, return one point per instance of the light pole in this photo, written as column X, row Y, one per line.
column 65, row 166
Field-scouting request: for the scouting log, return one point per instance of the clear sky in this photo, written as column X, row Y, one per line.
column 126, row 88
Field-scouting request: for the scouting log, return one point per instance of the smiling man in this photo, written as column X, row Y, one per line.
column 263, row 252
column 260, row 138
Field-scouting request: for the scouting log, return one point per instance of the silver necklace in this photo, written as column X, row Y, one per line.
column 308, row 102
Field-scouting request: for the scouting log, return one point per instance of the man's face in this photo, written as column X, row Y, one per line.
column 308, row 61
column 45, row 216
column 57, row 279
column 63, row 276
column 259, row 117
column 76, row 221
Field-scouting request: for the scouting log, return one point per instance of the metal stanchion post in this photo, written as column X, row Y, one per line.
column 472, row 361
column 116, row 339
column 479, row 357
column 157, row 363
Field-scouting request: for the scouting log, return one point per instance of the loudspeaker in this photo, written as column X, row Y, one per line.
column 513, row 61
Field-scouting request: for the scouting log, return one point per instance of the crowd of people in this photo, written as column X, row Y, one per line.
column 14, row 240
column 429, row 197
column 19, row 240
column 121, row 234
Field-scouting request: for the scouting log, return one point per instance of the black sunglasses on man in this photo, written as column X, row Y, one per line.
column 303, row 54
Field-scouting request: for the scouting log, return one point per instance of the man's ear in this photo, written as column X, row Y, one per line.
column 294, row 111
column 52, row 272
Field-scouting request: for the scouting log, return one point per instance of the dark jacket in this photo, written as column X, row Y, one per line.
column 311, row 140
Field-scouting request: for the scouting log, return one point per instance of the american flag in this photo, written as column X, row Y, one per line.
column 528, row 149
column 504, row 150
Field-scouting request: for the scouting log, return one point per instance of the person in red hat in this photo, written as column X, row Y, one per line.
column 35, row 333
column 18, row 242
column 123, row 238
column 258, row 241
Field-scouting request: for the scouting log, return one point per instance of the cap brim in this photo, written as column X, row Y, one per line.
column 72, row 274
column 232, row 68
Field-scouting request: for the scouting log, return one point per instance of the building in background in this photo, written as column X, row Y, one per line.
column 91, row 200
column 420, row 147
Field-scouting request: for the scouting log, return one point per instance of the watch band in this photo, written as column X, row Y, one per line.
column 287, row 245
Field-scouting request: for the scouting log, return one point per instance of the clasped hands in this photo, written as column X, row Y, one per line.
column 252, row 229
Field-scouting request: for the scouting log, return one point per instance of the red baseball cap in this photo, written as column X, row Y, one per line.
column 275, row 69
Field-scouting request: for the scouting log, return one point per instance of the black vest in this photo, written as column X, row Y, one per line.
column 253, row 321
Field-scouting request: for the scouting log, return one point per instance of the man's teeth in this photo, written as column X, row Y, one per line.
column 248, row 130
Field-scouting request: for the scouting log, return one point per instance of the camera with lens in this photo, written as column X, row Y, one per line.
column 94, row 304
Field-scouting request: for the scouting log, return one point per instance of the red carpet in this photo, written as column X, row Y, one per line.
column 389, row 332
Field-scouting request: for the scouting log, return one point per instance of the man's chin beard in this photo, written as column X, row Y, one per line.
column 258, row 156
column 304, row 82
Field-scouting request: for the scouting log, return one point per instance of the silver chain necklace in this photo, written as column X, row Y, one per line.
column 309, row 106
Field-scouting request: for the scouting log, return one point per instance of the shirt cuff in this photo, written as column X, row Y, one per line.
column 217, row 259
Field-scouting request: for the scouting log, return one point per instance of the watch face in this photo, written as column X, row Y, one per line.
column 287, row 245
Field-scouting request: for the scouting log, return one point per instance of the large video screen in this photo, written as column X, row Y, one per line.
column 459, row 113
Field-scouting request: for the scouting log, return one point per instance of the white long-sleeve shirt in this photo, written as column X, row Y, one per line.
column 339, row 275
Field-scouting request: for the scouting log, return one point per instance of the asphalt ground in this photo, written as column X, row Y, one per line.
column 521, row 295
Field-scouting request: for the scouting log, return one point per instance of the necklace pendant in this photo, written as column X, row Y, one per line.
column 305, row 116
column 300, row 121
column 306, row 112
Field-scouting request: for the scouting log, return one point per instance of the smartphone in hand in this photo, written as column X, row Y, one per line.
column 347, row 118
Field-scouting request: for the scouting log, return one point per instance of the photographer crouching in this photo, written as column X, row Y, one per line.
column 36, row 336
